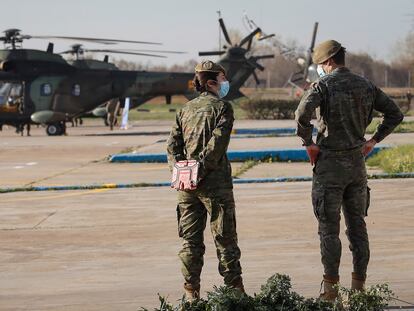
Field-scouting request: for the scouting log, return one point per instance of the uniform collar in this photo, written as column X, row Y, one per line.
column 207, row 93
column 341, row 69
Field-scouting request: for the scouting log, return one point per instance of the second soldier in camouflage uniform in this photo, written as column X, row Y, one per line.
column 202, row 132
column 344, row 103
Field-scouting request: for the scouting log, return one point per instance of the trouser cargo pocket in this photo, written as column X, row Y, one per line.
column 318, row 202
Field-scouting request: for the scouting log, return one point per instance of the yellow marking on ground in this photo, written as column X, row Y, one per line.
column 64, row 195
column 109, row 186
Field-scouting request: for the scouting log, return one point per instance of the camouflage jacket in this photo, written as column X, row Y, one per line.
column 344, row 102
column 202, row 132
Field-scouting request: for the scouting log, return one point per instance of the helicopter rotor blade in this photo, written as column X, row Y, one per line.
column 310, row 51
column 97, row 40
column 122, row 52
column 255, row 64
column 260, row 67
column 211, row 53
column 256, row 78
column 151, row 51
column 224, row 29
column 249, row 36
column 266, row 37
column 68, row 52
column 315, row 30
column 263, row 56
column 249, row 44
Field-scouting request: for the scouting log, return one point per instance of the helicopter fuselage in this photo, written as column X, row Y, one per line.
column 54, row 91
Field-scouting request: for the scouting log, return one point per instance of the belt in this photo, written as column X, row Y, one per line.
column 357, row 149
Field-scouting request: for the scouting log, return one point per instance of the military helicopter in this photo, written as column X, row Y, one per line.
column 237, row 61
column 307, row 71
column 42, row 87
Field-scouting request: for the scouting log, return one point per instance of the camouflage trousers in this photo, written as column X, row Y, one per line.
column 192, row 211
column 339, row 179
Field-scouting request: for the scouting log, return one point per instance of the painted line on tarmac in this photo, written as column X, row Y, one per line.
column 283, row 155
column 282, row 131
column 168, row 184
column 285, row 131
column 63, row 195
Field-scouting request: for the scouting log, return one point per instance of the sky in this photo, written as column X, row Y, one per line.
column 373, row 26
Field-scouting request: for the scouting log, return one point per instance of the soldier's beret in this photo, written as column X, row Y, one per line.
column 325, row 51
column 210, row 66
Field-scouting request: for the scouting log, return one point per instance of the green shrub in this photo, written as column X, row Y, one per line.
column 395, row 160
column 277, row 295
column 403, row 127
column 270, row 109
column 404, row 104
column 224, row 298
column 372, row 299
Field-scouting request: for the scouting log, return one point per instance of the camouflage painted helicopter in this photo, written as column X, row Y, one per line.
column 42, row 87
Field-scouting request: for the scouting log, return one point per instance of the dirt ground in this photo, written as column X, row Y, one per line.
column 115, row 249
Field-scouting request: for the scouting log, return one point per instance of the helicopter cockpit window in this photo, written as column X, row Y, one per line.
column 76, row 90
column 10, row 93
column 45, row 89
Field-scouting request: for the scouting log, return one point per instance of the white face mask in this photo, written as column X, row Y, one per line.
column 320, row 71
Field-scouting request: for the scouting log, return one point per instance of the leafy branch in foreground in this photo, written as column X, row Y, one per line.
column 277, row 295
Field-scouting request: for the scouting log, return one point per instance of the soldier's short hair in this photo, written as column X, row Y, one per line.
column 339, row 57
column 201, row 78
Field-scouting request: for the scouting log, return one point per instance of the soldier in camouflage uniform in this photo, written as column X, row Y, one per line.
column 344, row 103
column 202, row 132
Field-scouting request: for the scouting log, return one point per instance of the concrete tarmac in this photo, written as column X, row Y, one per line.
column 115, row 249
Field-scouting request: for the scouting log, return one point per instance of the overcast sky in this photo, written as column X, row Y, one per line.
column 373, row 26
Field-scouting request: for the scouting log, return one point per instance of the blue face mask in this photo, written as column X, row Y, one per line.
column 224, row 89
column 320, row 71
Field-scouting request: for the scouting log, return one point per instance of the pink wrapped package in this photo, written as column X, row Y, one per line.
column 185, row 174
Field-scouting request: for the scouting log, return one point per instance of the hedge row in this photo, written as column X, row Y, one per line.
column 279, row 109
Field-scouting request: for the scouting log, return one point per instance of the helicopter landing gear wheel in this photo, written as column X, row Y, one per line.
column 54, row 129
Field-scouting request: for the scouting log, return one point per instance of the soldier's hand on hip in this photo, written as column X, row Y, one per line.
column 313, row 152
column 368, row 146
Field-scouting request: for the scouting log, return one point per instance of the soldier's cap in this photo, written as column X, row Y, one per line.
column 209, row 66
column 325, row 51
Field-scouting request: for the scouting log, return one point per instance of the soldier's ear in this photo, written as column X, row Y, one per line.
column 211, row 83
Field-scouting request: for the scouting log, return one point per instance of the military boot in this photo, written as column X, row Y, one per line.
column 358, row 282
column 192, row 292
column 330, row 293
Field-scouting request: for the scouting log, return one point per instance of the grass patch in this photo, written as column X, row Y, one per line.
column 403, row 127
column 159, row 111
column 395, row 160
column 247, row 165
column 156, row 112
column 277, row 295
